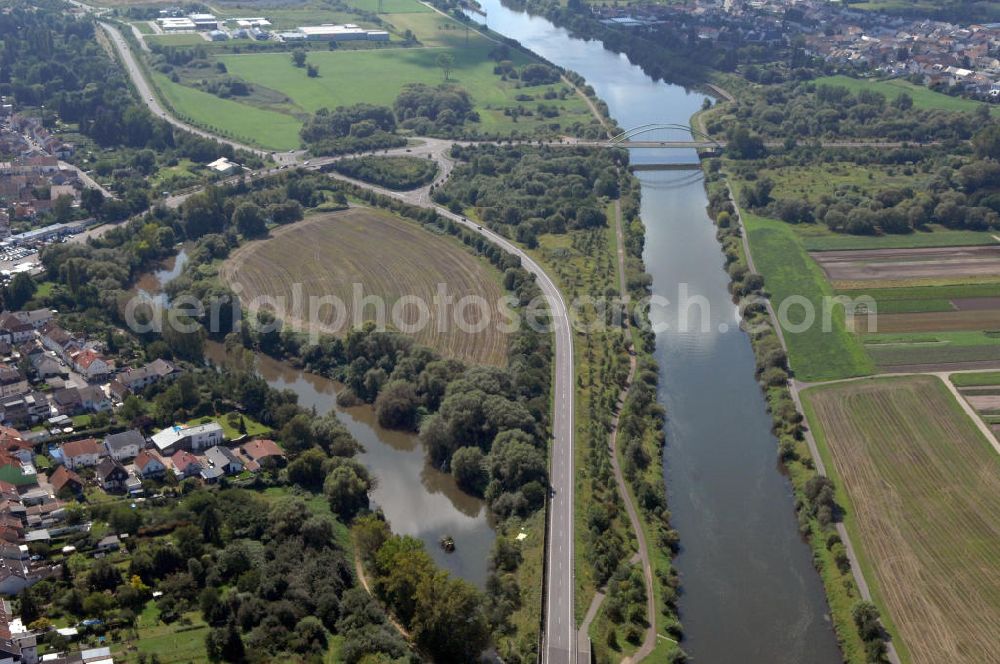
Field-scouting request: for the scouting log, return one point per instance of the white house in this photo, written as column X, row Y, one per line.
column 81, row 453
column 194, row 438
column 124, row 445
column 149, row 464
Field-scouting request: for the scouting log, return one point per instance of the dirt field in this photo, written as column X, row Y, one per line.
column 937, row 321
column 923, row 502
column 890, row 264
column 382, row 255
column 976, row 303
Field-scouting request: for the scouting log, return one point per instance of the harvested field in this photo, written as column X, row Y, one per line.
column 934, row 321
column 369, row 253
column 976, row 303
column 920, row 485
column 983, row 402
column 909, row 358
column 925, row 263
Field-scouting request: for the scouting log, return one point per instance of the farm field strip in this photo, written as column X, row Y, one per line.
column 332, row 254
column 888, row 264
column 921, row 488
column 940, row 321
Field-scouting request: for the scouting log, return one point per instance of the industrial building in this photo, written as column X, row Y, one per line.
column 347, row 32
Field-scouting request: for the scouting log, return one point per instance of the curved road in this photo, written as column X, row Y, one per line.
column 559, row 638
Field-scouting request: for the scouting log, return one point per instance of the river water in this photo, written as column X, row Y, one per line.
column 751, row 595
column 417, row 499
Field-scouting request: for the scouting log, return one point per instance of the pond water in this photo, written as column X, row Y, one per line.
column 417, row 498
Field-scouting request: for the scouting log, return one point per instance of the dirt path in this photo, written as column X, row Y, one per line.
column 591, row 105
column 359, row 569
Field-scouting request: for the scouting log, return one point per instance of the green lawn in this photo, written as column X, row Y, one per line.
column 284, row 95
column 924, row 98
column 143, row 27
column 183, row 39
column 789, row 272
column 390, row 6
column 817, row 237
column 976, row 379
column 270, row 130
column 170, row 643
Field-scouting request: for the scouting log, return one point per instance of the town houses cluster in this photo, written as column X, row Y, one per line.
column 53, row 383
column 960, row 58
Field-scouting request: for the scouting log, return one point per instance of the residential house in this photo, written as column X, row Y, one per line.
column 262, row 453
column 149, row 464
column 67, row 401
column 56, row 339
column 193, row 438
column 81, row 453
column 13, row 329
column 91, row 364
column 46, row 366
column 93, row 399
column 111, row 475
column 65, row 482
column 136, row 380
column 37, row 318
column 109, row 543
column 222, row 458
column 185, row 464
column 12, row 381
column 124, row 445
column 11, row 442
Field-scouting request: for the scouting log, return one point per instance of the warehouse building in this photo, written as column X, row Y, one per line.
column 347, row 32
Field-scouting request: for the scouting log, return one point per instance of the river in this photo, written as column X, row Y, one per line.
column 750, row 592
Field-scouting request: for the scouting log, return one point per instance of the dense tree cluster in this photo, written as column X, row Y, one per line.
column 805, row 109
column 354, row 128
column 445, row 615
column 528, row 191
column 430, row 110
column 391, row 172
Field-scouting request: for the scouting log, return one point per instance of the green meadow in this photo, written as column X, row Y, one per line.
column 924, row 98
column 241, row 122
column 284, row 95
column 814, row 353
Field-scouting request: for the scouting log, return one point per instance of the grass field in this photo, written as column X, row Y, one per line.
column 921, row 489
column 182, row 39
column 382, row 256
column 924, row 98
column 378, row 76
column 814, row 354
column 282, row 95
column 986, row 378
column 270, row 130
